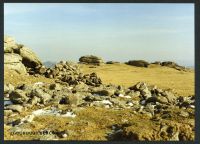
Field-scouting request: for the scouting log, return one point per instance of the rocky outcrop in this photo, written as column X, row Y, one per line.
column 13, row 61
column 29, row 58
column 9, row 44
column 18, row 57
column 90, row 59
column 112, row 62
column 138, row 63
column 171, row 64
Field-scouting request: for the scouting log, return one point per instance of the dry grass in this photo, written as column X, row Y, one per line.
column 93, row 123
column 90, row 124
column 163, row 77
column 14, row 78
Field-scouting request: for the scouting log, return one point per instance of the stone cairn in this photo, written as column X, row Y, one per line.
column 70, row 73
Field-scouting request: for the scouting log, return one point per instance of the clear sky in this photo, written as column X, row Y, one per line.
column 118, row 32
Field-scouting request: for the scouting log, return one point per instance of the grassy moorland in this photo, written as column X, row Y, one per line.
column 164, row 77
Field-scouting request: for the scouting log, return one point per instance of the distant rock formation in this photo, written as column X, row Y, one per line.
column 18, row 57
column 138, row 63
column 171, row 65
column 112, row 62
column 90, row 59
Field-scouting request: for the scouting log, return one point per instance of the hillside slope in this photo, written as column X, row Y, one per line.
column 164, row 77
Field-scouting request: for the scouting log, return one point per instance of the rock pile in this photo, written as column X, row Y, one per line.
column 137, row 97
column 18, row 57
column 69, row 73
column 90, row 59
column 138, row 63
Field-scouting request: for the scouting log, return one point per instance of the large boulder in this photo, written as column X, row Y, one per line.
column 19, row 58
column 90, row 59
column 14, row 62
column 18, row 97
column 138, row 63
column 29, row 58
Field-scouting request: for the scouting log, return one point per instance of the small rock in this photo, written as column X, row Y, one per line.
column 15, row 108
column 55, row 87
column 184, row 114
column 18, row 96
column 62, row 134
column 28, row 118
column 16, row 122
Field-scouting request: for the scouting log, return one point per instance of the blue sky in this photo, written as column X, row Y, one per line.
column 118, row 32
